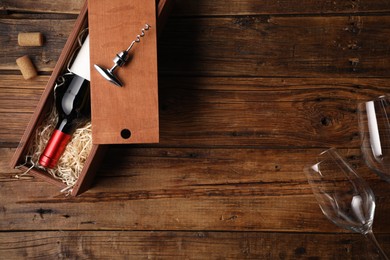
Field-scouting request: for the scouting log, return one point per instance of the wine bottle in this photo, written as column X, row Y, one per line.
column 73, row 107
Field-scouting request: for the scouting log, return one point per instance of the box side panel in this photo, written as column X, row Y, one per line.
column 43, row 176
column 86, row 177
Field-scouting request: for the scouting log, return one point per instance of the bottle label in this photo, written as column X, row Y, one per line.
column 80, row 65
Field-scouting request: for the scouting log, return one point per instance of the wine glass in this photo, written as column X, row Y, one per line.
column 343, row 196
column 374, row 126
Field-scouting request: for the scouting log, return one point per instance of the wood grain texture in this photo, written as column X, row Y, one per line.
column 249, row 92
column 220, row 7
column 133, row 107
column 249, row 7
column 183, row 245
column 262, row 112
column 55, row 33
column 62, row 6
column 277, row 46
column 340, row 46
column 188, row 189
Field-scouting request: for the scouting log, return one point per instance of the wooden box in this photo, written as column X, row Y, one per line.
column 91, row 165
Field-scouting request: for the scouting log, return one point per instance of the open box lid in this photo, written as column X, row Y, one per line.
column 127, row 114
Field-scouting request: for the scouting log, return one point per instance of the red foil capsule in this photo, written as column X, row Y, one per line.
column 54, row 149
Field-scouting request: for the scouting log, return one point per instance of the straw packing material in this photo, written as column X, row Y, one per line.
column 72, row 161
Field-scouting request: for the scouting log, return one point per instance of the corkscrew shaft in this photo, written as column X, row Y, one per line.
column 138, row 38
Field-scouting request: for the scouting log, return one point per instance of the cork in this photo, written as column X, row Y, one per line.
column 26, row 67
column 30, row 39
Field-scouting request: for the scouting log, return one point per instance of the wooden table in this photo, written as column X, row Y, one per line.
column 250, row 91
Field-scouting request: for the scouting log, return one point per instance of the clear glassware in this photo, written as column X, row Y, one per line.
column 374, row 127
column 343, row 196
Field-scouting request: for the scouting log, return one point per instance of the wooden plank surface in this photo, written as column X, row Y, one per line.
column 183, row 245
column 43, row 59
column 249, row 91
column 304, row 46
column 207, row 189
column 249, row 111
column 220, row 7
column 262, row 46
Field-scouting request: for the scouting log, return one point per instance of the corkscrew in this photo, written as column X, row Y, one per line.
column 120, row 59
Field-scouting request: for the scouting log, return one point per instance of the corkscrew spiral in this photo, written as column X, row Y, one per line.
column 138, row 37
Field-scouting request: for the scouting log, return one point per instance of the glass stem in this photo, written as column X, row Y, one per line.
column 370, row 236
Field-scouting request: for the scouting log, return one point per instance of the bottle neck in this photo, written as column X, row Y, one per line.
column 68, row 126
column 72, row 102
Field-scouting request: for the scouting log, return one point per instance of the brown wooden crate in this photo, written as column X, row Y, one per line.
column 90, row 167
